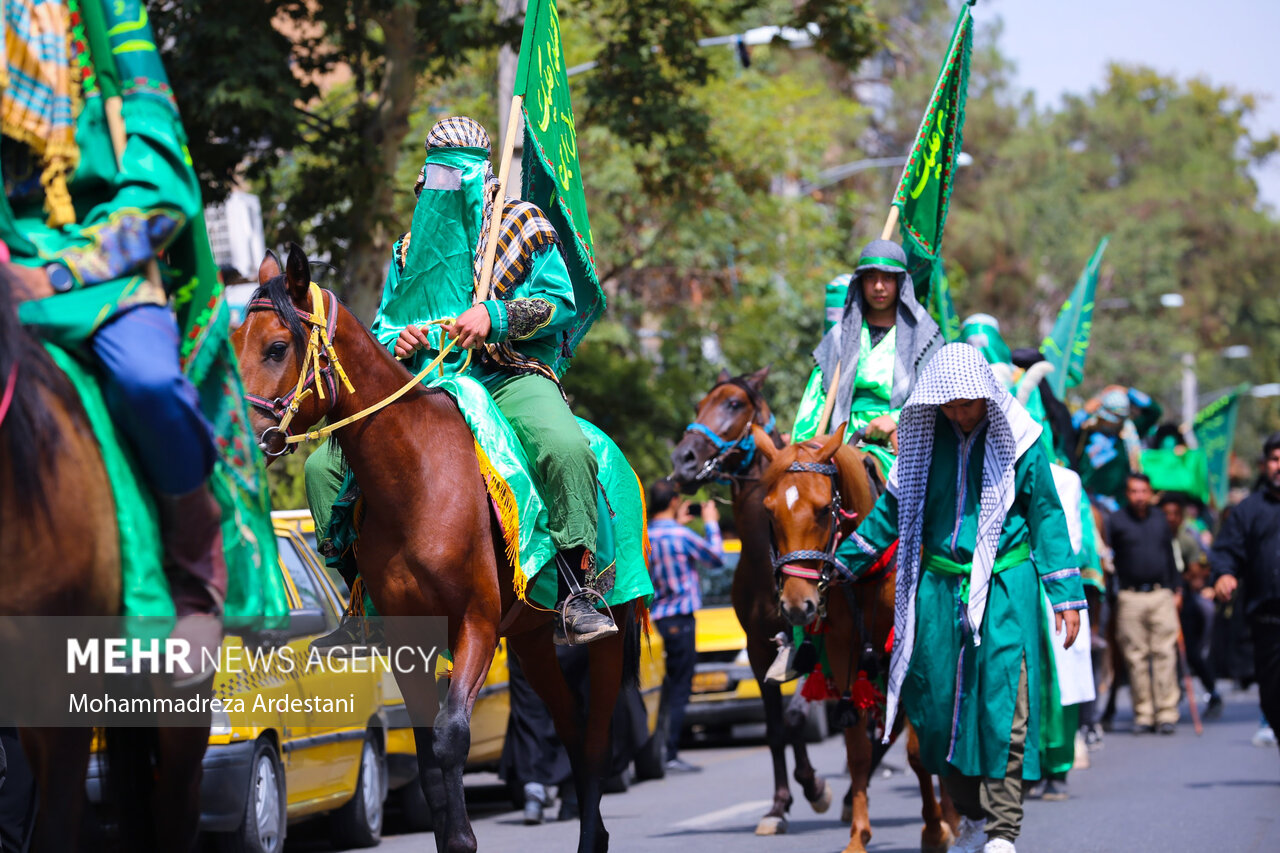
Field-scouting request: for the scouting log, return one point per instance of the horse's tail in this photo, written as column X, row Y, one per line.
column 130, row 783
column 29, row 436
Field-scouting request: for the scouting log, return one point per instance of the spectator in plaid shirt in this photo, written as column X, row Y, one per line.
column 675, row 552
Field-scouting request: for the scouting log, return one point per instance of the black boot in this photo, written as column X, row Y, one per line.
column 578, row 621
column 191, row 527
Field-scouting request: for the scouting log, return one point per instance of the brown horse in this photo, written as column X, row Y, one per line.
column 719, row 446
column 815, row 494
column 430, row 545
column 60, row 556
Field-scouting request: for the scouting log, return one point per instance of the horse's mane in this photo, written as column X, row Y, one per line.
column 29, row 435
column 277, row 291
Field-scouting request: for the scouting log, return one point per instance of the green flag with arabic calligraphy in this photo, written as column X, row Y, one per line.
column 552, row 175
column 1215, row 428
column 924, row 192
column 1068, row 344
column 942, row 306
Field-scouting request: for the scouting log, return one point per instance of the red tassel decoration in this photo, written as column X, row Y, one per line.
column 888, row 643
column 865, row 694
column 817, row 688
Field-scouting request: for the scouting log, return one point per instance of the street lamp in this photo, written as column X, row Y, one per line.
column 795, row 39
column 836, row 174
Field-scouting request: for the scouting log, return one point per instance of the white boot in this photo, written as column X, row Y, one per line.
column 999, row 845
column 780, row 670
column 971, row 836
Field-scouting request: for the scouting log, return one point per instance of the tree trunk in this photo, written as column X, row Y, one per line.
column 373, row 232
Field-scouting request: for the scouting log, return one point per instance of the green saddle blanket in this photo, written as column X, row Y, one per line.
column 621, row 546
column 256, row 599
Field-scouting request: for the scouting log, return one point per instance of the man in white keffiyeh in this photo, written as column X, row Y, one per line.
column 972, row 499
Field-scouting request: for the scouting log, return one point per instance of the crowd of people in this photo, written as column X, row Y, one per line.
column 1035, row 524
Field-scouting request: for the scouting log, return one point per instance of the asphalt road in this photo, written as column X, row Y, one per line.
column 1143, row 794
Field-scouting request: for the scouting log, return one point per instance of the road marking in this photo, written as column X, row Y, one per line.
column 712, row 818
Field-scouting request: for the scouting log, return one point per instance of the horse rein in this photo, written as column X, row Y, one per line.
column 323, row 326
column 828, row 564
column 745, row 442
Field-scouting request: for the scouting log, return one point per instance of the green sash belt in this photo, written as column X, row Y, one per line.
column 947, row 566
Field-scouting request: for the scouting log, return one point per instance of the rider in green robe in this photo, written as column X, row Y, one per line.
column 103, row 218
column 982, row 533
column 882, row 341
column 517, row 333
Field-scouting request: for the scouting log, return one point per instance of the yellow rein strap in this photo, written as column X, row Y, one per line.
column 319, row 334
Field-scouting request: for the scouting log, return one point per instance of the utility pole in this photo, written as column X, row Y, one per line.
column 1189, row 389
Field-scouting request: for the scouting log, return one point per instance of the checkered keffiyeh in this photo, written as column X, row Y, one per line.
column 36, row 98
column 957, row 372
column 523, row 232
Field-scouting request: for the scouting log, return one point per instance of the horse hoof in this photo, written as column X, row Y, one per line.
column 771, row 825
column 823, row 802
column 942, row 845
column 846, row 813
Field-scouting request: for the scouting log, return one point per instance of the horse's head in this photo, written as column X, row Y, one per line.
column 814, row 493
column 284, row 361
column 720, row 441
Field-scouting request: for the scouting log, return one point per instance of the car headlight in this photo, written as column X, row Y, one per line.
column 742, row 659
column 220, row 725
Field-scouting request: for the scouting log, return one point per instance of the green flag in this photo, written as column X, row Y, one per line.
column 941, row 306
column 925, row 189
column 552, row 176
column 1215, row 428
column 1068, row 343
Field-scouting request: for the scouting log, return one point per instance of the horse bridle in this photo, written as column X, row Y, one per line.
column 746, row 441
column 828, row 564
column 323, row 326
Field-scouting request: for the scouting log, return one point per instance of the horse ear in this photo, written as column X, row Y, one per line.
column 269, row 268
column 764, row 443
column 756, row 380
column 832, row 444
column 297, row 276
column 724, row 376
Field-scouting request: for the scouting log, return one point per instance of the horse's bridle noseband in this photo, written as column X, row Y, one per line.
column 323, row 326
column 828, row 565
column 745, row 442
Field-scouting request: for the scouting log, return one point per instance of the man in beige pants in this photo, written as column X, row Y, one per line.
column 1146, row 614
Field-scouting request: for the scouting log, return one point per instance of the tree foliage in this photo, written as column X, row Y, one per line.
column 710, row 254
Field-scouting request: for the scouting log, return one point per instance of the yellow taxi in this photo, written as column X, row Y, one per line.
column 262, row 774
column 725, row 692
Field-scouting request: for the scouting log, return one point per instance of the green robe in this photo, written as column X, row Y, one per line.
column 545, row 296
column 873, row 388
column 981, row 715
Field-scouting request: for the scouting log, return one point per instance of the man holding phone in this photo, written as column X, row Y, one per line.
column 675, row 553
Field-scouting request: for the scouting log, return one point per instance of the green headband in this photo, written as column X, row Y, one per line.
column 884, row 262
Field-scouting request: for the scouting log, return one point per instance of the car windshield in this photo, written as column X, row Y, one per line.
column 310, row 594
column 717, row 583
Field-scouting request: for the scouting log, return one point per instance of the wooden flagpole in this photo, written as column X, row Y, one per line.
column 824, row 422
column 499, row 203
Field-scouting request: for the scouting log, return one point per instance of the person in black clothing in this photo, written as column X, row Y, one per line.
column 1196, row 607
column 1247, row 553
column 1146, row 614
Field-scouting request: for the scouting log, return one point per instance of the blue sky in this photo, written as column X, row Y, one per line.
column 1063, row 46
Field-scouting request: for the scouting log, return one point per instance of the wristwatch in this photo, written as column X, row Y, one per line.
column 60, row 278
